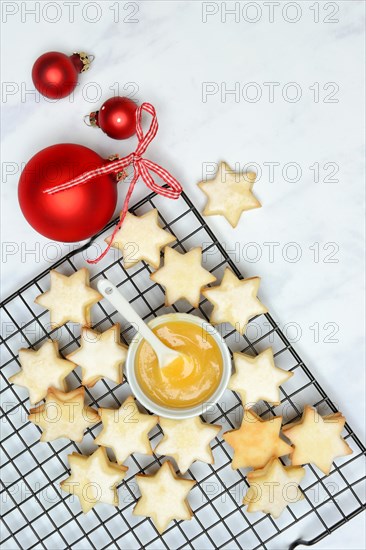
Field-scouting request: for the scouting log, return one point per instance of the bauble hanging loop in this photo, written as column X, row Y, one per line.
column 55, row 74
column 116, row 117
column 82, row 61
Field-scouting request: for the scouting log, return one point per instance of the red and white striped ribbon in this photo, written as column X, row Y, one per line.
column 142, row 168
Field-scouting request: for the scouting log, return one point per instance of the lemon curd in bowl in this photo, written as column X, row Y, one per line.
column 186, row 387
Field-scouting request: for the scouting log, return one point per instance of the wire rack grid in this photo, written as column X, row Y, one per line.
column 37, row 514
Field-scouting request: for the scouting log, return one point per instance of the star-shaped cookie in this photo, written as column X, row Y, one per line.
column 141, row 238
column 125, row 430
column 257, row 378
column 101, row 355
column 42, row 369
column 235, row 301
column 63, row 415
column 317, row 439
column 183, row 276
column 163, row 497
column 93, row 479
column 187, row 440
column 69, row 298
column 256, row 441
column 229, row 193
column 273, row 487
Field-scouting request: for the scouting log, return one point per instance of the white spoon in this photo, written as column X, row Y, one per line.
column 164, row 354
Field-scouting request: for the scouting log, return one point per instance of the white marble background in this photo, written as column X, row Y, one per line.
column 164, row 52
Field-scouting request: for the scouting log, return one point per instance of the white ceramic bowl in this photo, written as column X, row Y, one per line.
column 178, row 413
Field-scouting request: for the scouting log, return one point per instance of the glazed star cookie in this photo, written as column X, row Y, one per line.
column 125, row 430
column 42, row 369
column 273, row 487
column 63, row 415
column 101, row 355
column 317, row 439
column 93, row 479
column 257, row 378
column 256, row 441
column 187, row 440
column 182, row 276
column 163, row 497
column 141, row 238
column 229, row 194
column 235, row 301
column 69, row 298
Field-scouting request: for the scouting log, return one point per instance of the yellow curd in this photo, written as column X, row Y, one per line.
column 183, row 383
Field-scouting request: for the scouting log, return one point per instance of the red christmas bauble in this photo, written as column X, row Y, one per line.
column 73, row 214
column 55, row 75
column 116, row 117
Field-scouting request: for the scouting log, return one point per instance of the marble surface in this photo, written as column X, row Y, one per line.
column 279, row 90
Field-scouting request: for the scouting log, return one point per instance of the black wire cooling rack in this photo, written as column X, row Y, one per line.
column 37, row 514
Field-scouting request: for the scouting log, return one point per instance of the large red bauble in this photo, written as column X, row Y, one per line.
column 73, row 214
column 117, row 117
column 55, row 75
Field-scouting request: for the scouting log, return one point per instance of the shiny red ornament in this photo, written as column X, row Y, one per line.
column 55, row 75
column 74, row 214
column 116, row 117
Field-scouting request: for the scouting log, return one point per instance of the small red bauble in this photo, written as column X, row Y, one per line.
column 55, row 75
column 73, row 214
column 116, row 117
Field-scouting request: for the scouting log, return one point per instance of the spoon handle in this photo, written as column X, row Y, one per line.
column 123, row 306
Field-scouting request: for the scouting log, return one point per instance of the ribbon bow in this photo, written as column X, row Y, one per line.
column 142, row 168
